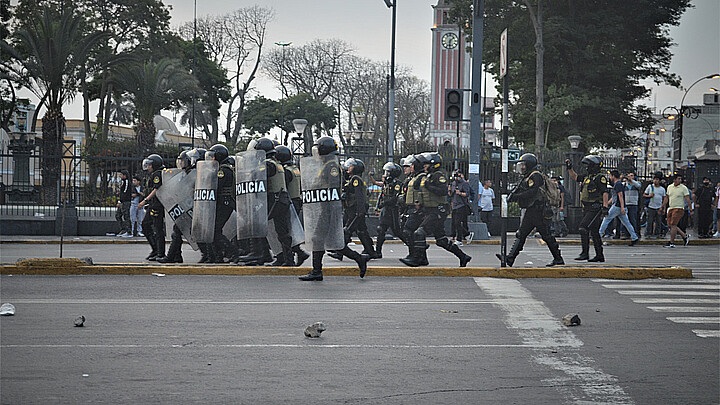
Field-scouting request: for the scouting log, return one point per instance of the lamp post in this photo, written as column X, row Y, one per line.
column 391, row 102
column 574, row 157
column 192, row 116
column 547, row 128
column 300, row 125
column 282, row 92
column 683, row 112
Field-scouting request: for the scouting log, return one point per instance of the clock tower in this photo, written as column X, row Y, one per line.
column 450, row 70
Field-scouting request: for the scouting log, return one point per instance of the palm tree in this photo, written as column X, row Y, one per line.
column 153, row 87
column 51, row 48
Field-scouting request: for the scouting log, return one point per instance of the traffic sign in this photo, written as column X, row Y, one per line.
column 503, row 53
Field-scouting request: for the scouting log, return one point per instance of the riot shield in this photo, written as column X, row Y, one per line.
column 296, row 232
column 322, row 209
column 230, row 228
column 205, row 196
column 176, row 195
column 251, row 194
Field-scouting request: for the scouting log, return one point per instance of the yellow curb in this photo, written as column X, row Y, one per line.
column 654, row 242
column 613, row 272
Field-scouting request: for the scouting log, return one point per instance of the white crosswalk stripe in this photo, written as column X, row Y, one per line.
column 696, row 301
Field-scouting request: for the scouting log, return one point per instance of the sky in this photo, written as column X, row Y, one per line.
column 366, row 24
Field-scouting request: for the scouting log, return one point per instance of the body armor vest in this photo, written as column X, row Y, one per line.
column 430, row 199
column 294, row 187
column 589, row 192
column 276, row 183
column 412, row 195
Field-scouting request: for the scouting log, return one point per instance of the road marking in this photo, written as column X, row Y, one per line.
column 685, row 309
column 676, row 301
column 537, row 326
column 666, row 286
column 267, row 345
column 693, row 319
column 684, row 282
column 245, row 302
column 643, row 292
column 703, row 333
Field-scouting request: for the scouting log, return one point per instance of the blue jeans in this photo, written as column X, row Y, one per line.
column 612, row 214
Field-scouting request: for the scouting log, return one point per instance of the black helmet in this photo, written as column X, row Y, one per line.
column 220, row 152
column 262, row 144
column 183, row 160
column 195, row 155
column 283, row 154
column 434, row 160
column 419, row 163
column 326, row 146
column 392, row 170
column 526, row 164
column 153, row 161
column 593, row 163
column 357, row 163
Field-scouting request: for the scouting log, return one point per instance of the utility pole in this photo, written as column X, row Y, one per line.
column 504, row 163
column 282, row 93
column 477, row 102
column 391, row 105
column 192, row 116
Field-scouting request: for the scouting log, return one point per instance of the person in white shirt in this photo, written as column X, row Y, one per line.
column 655, row 192
column 485, row 202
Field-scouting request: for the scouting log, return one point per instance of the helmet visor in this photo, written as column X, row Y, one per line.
column 146, row 164
column 520, row 167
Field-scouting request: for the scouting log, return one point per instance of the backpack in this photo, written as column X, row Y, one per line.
column 550, row 190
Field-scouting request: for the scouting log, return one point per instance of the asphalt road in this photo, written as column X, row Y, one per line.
column 225, row 339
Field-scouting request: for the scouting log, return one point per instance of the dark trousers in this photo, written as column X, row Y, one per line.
column 536, row 217
column 154, row 229
column 355, row 224
column 654, row 222
column 389, row 219
column 590, row 228
column 175, row 249
column 122, row 215
column 705, row 219
column 221, row 245
column 413, row 218
column 460, row 222
column 280, row 214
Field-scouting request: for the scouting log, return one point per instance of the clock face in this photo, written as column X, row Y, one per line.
column 449, row 41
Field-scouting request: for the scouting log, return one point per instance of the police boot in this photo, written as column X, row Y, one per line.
column 288, row 257
column 254, row 257
column 514, row 252
column 153, row 252
column 599, row 257
column 379, row 245
column 301, row 255
column 266, row 256
column 279, row 260
column 464, row 258
column 557, row 257
column 335, row 255
column 173, row 255
column 585, row 241
column 316, row 273
column 367, row 243
column 360, row 259
column 203, row 252
column 417, row 255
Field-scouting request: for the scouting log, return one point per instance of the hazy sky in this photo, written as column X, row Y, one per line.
column 366, row 25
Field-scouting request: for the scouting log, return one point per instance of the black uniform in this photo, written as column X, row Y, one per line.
column 354, row 211
column 225, row 205
column 435, row 210
column 389, row 212
column 174, row 253
column 154, row 222
column 537, row 216
column 413, row 215
column 292, row 180
column 592, row 188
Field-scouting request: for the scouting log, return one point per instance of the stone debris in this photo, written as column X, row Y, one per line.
column 314, row 330
column 159, row 274
column 80, row 321
column 7, row 309
column 449, row 311
column 87, row 260
column 571, row 320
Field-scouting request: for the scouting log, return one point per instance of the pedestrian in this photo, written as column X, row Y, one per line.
column 323, row 201
column 593, row 197
column 632, row 200
column 434, row 206
column 136, row 215
column 655, row 193
column 459, row 192
column 284, row 155
column 153, row 224
column 704, row 198
column 559, row 227
column 122, row 214
column 618, row 209
column 355, row 208
column 530, row 195
column 675, row 200
column 388, row 205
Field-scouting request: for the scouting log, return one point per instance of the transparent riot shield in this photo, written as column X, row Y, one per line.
column 176, row 195
column 205, row 198
column 251, row 194
column 296, row 232
column 322, row 209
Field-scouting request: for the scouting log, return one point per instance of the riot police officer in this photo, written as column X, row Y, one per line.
column 412, row 197
column 435, row 208
column 388, row 204
column 355, row 206
column 225, row 202
column 292, row 180
column 185, row 161
column 538, row 213
column 154, row 222
column 278, row 209
column 593, row 196
column 325, row 146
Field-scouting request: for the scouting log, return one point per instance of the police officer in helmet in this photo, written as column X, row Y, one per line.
column 154, row 222
column 538, row 214
column 414, row 166
column 388, row 204
column 327, row 146
column 593, row 196
column 284, row 155
column 225, row 203
column 433, row 200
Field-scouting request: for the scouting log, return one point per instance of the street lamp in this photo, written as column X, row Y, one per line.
column 300, row 125
column 391, row 102
column 683, row 112
column 547, row 128
column 282, row 93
